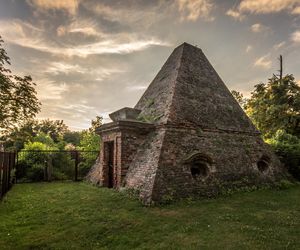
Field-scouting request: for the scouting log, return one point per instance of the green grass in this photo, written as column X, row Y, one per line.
column 80, row 216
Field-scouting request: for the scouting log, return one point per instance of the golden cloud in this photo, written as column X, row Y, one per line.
column 258, row 27
column 70, row 6
column 235, row 14
column 191, row 10
column 263, row 62
column 265, row 7
column 26, row 35
column 295, row 37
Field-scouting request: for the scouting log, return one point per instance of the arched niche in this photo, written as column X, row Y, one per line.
column 263, row 164
column 199, row 165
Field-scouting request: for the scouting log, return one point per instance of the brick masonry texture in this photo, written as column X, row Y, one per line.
column 190, row 139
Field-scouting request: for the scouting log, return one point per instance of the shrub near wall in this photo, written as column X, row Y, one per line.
column 287, row 147
column 32, row 162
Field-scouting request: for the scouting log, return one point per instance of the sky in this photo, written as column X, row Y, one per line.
column 93, row 57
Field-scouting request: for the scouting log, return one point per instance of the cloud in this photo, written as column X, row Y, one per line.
column 86, row 27
column 61, row 67
column 136, row 88
column 49, row 90
column 248, row 48
column 296, row 11
column 110, row 47
column 26, row 35
column 92, row 73
column 124, row 14
column 191, row 10
column 153, row 11
column 263, row 62
column 257, row 28
column 279, row 45
column 266, row 7
column 69, row 6
column 295, row 37
column 235, row 14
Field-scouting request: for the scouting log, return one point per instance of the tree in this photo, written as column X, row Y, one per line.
column 275, row 109
column 16, row 137
column 89, row 141
column 18, row 100
column 54, row 128
column 72, row 137
column 239, row 97
column 96, row 123
column 276, row 106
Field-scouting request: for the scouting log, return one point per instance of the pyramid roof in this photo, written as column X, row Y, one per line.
column 187, row 90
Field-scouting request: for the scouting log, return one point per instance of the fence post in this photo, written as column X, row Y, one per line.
column 1, row 173
column 8, row 170
column 76, row 165
column 16, row 164
column 4, row 173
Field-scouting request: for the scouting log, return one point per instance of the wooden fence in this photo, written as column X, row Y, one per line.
column 7, row 164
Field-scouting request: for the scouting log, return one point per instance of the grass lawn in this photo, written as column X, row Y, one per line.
column 79, row 216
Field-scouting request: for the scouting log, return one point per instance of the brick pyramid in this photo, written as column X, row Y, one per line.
column 203, row 142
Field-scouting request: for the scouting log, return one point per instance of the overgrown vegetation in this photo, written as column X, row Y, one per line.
column 80, row 216
column 18, row 100
column 275, row 109
column 287, row 147
column 35, row 136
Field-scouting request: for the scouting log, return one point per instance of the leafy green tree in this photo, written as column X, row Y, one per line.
column 46, row 140
column 18, row 100
column 16, row 137
column 274, row 106
column 96, row 123
column 275, row 109
column 240, row 98
column 54, row 128
column 72, row 137
column 89, row 141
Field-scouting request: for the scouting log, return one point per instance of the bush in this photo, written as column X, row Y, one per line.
column 287, row 147
column 63, row 166
column 284, row 184
column 35, row 172
column 33, row 161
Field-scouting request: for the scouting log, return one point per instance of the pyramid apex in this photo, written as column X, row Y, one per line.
column 186, row 45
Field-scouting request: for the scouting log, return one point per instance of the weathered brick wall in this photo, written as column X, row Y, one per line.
column 159, row 169
column 234, row 163
column 142, row 171
column 131, row 142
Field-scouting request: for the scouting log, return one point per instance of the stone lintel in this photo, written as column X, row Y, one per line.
column 142, row 127
column 125, row 114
